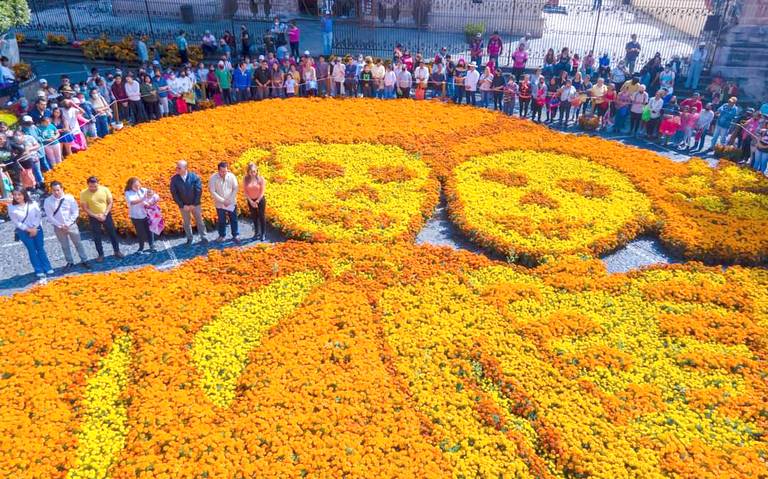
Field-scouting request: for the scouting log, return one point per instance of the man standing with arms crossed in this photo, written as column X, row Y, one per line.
column 96, row 200
column 186, row 191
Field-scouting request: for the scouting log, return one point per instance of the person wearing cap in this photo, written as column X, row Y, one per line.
column 698, row 57
column 726, row 115
column 31, row 130
column 208, row 43
column 96, row 201
column 181, row 44
column 327, row 27
column 61, row 211
column 476, row 49
column 470, row 84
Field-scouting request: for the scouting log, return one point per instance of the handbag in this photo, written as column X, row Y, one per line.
column 646, row 113
column 16, row 231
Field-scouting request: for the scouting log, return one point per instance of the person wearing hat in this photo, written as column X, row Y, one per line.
column 327, row 27
column 476, row 49
column 726, row 115
column 470, row 83
column 495, row 47
column 698, row 57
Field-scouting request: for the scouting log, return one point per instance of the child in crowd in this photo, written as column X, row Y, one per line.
column 688, row 119
column 670, row 124
column 290, row 86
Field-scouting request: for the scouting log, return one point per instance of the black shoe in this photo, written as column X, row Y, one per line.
column 152, row 250
column 189, row 242
column 202, row 241
column 86, row 265
column 68, row 266
column 119, row 255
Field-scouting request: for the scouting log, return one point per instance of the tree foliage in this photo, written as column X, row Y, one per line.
column 13, row 13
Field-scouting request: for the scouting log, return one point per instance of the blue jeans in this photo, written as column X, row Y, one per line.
column 694, row 73
column 102, row 125
column 327, row 43
column 44, row 165
column 389, row 92
column 450, row 88
column 487, row 98
column 221, row 224
column 509, row 107
column 36, row 250
column 37, row 172
column 720, row 133
column 761, row 161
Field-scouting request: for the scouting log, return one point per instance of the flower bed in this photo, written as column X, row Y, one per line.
column 351, row 360
column 440, row 138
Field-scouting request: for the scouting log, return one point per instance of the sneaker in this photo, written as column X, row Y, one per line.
column 100, row 259
column 119, row 255
column 42, row 280
column 203, row 240
column 69, row 266
column 236, row 240
column 152, row 250
column 220, row 239
column 189, row 242
column 262, row 237
column 86, row 265
column 49, row 272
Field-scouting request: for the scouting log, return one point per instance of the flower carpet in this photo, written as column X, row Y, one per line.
column 348, row 351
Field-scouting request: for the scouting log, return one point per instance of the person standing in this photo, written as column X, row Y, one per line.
column 224, row 77
column 632, row 49
column 254, row 186
column 223, row 187
column 96, row 201
column 726, row 115
column 149, row 98
column 698, row 57
column 476, row 49
column 241, row 81
column 27, row 219
column 186, row 191
column 519, row 59
column 495, row 48
column 133, row 93
column 567, row 94
column 294, row 35
column 404, row 81
column 470, row 84
column 639, row 99
column 62, row 211
column 702, row 127
column 138, row 198
column 655, row 104
column 181, row 44
column 327, row 25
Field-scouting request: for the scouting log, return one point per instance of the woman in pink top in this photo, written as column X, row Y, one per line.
column 254, row 187
column 293, row 38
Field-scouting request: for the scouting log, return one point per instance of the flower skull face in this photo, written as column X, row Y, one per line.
column 358, row 192
column 544, row 204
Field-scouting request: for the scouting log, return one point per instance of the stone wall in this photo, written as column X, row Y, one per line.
column 742, row 56
column 688, row 16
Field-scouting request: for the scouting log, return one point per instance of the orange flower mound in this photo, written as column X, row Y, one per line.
column 539, row 198
column 587, row 188
column 388, row 174
column 319, row 169
column 352, row 360
column 505, row 177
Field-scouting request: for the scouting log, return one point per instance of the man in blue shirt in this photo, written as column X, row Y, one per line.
column 181, row 43
column 241, row 82
column 327, row 24
column 726, row 115
column 160, row 82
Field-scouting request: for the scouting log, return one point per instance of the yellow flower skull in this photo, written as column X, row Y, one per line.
column 359, row 192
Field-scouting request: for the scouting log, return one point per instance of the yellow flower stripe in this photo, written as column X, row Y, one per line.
column 355, row 192
column 221, row 348
column 104, row 429
column 540, row 205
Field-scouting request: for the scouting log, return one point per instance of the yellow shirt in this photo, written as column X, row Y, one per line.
column 97, row 202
